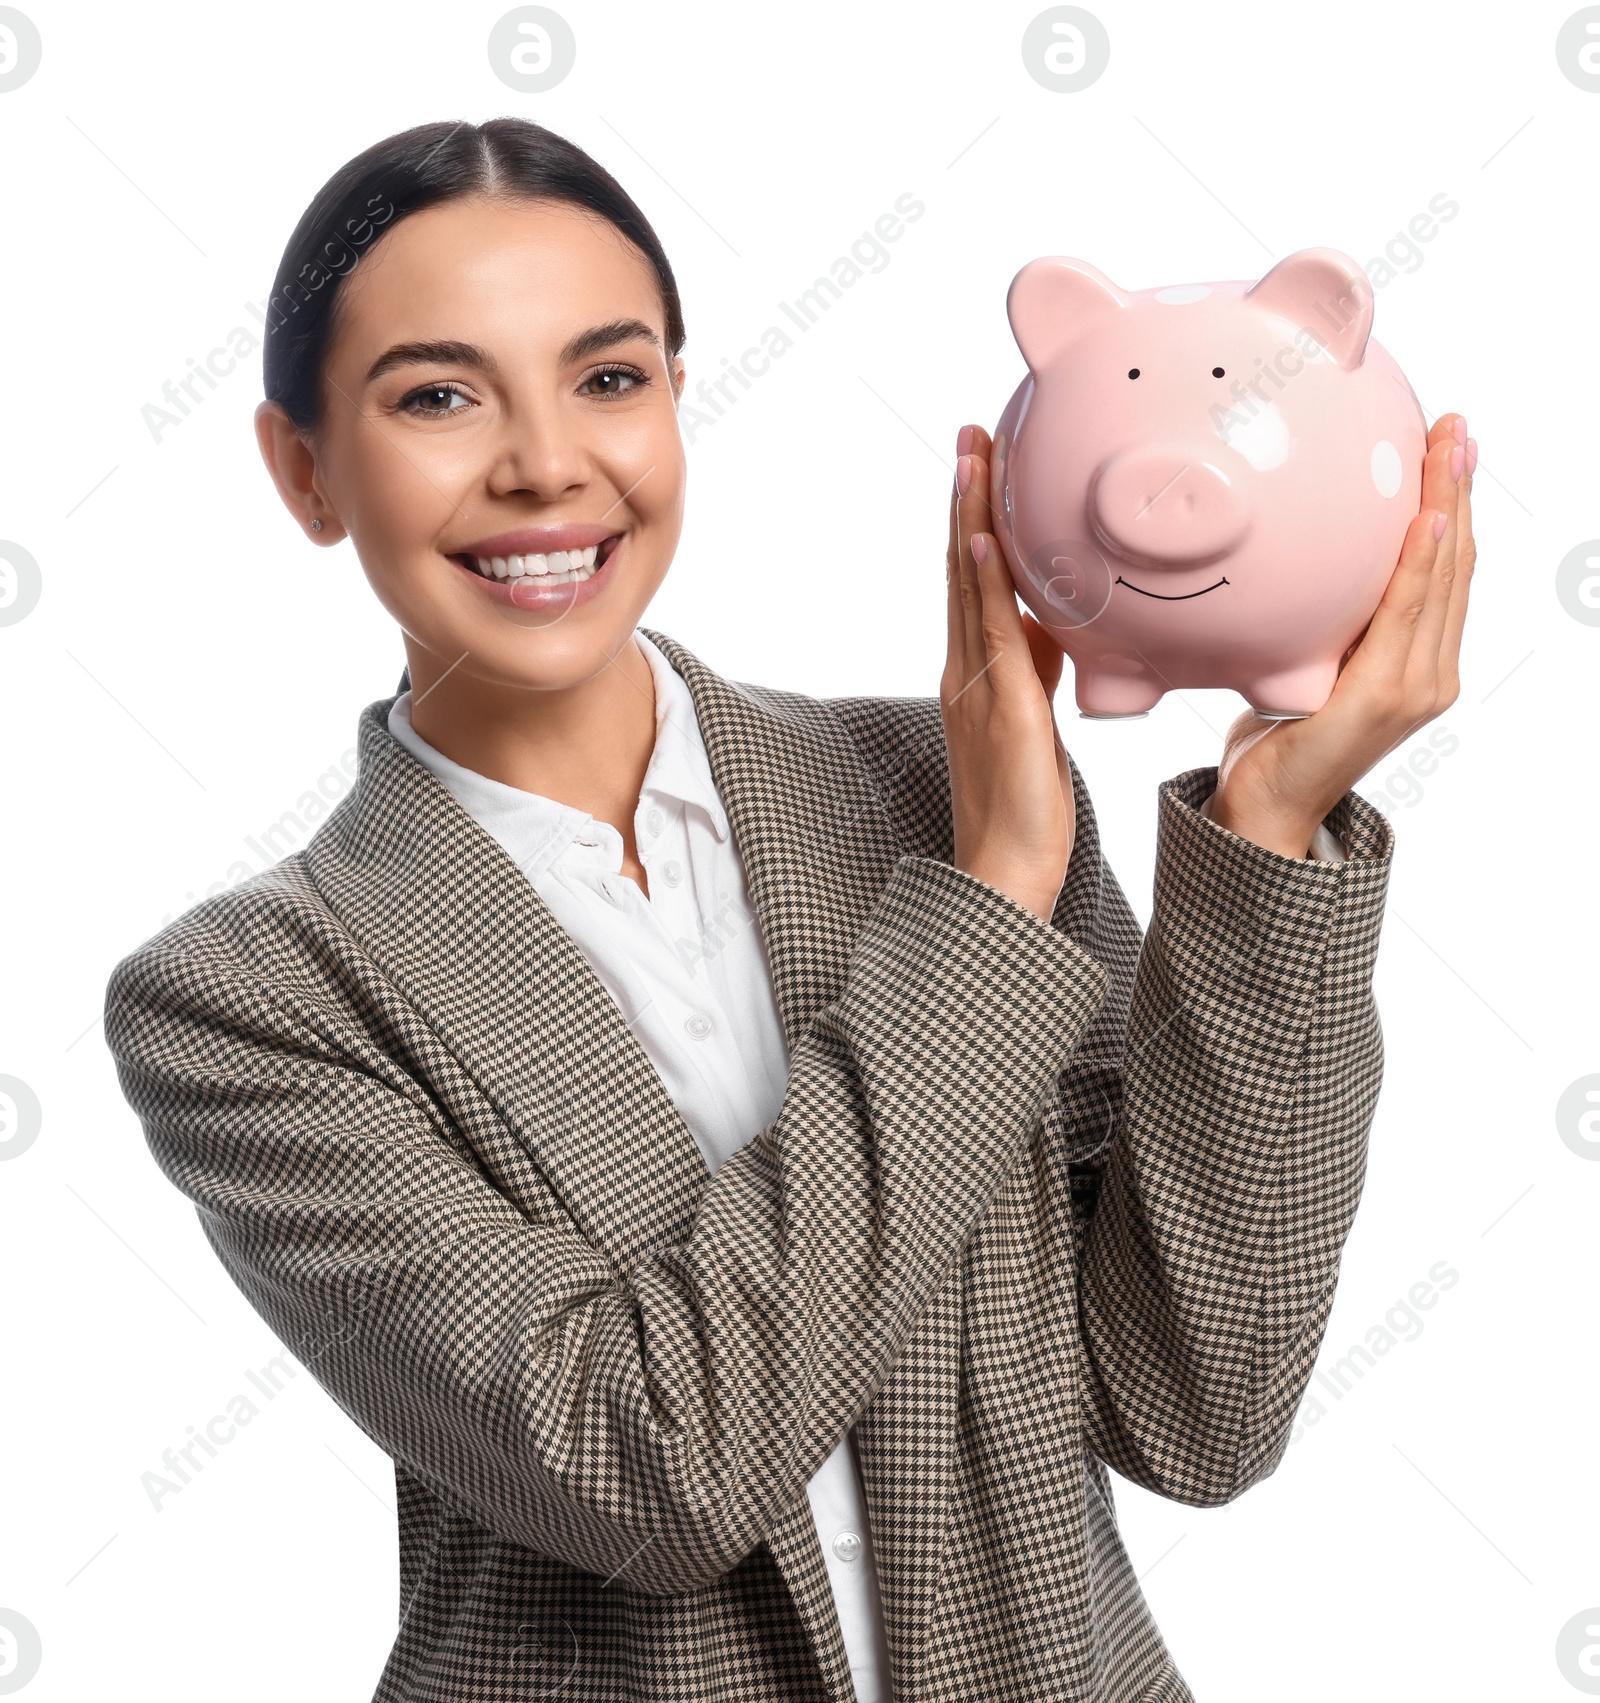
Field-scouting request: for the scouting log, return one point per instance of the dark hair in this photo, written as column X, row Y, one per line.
column 420, row 168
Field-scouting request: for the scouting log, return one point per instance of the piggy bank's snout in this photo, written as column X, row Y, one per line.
column 1163, row 508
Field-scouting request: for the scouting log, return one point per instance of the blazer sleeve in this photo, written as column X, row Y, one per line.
column 1235, row 1123
column 650, row 1425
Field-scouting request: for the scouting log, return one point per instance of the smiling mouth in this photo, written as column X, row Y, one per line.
column 554, row 567
column 1175, row 597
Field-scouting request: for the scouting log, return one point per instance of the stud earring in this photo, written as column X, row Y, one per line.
column 316, row 526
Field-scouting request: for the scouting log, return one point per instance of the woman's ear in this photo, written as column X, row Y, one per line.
column 292, row 462
column 677, row 379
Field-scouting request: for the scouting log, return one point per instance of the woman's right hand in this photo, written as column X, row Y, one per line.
column 1010, row 783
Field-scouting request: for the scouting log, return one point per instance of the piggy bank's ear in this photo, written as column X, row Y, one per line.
column 1327, row 294
column 1051, row 301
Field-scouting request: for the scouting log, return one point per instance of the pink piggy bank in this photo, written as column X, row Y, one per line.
column 1204, row 485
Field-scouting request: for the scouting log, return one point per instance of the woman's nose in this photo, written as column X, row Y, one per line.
column 538, row 451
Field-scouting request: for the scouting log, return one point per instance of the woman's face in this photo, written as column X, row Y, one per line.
column 497, row 389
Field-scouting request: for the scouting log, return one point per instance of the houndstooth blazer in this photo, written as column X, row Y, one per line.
column 1041, row 1200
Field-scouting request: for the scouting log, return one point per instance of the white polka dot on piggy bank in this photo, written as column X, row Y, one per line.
column 1204, row 485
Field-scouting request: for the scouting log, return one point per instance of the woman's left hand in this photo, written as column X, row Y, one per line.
column 1278, row 779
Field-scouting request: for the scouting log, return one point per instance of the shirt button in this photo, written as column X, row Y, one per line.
column 698, row 1025
column 847, row 1546
column 672, row 872
column 655, row 821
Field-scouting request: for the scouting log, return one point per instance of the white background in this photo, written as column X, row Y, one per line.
column 194, row 666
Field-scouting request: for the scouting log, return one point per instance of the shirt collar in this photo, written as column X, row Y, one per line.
column 679, row 769
column 534, row 830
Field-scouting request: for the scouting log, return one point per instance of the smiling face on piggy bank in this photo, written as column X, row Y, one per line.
column 1207, row 484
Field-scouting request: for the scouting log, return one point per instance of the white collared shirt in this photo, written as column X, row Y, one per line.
column 688, row 970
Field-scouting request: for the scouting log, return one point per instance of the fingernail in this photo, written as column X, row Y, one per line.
column 963, row 440
column 1440, row 522
column 1472, row 455
column 964, row 474
column 1460, row 430
column 980, row 548
column 1458, row 460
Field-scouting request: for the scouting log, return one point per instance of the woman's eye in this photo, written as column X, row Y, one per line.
column 433, row 401
column 614, row 381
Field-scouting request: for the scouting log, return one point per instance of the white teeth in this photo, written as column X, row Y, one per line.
column 558, row 567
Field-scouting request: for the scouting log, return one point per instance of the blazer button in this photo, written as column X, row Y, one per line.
column 847, row 1546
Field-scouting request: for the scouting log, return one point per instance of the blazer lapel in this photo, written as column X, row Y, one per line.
column 448, row 917
column 815, row 842
column 463, row 935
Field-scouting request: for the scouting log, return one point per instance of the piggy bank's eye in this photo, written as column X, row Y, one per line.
column 1133, row 372
column 1217, row 372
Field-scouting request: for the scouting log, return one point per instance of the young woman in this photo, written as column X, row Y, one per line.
column 737, row 1152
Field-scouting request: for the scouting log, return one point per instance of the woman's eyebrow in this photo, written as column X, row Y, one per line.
column 448, row 352
column 599, row 337
column 442, row 353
